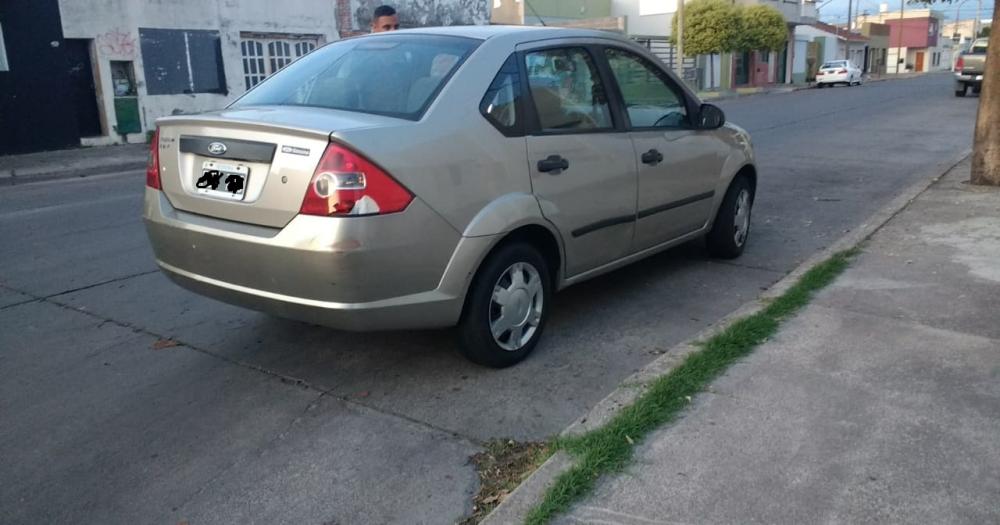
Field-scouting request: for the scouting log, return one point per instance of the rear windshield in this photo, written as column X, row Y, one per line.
column 978, row 49
column 830, row 65
column 396, row 75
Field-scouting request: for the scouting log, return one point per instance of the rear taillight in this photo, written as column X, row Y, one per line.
column 345, row 183
column 153, row 163
column 960, row 65
column 842, row 71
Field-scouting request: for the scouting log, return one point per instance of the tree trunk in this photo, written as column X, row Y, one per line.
column 986, row 146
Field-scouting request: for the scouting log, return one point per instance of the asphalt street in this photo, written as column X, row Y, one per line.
column 251, row 418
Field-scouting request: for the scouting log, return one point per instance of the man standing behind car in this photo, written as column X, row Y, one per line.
column 384, row 18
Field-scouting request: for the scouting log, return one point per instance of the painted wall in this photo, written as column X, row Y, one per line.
column 645, row 17
column 828, row 42
column 114, row 27
column 799, row 56
column 417, row 13
column 915, row 32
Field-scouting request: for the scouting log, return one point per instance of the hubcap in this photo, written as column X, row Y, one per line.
column 742, row 222
column 516, row 306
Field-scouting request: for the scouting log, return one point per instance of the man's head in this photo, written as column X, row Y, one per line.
column 384, row 19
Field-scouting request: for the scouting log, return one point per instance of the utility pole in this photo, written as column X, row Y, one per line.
column 679, row 51
column 850, row 21
column 899, row 39
column 975, row 23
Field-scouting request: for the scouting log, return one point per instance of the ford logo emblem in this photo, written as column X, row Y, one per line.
column 217, row 148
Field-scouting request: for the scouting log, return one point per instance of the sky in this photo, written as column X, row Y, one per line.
column 836, row 10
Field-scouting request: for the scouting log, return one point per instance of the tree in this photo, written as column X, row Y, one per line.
column 710, row 27
column 986, row 141
column 718, row 26
column 984, row 32
column 763, row 28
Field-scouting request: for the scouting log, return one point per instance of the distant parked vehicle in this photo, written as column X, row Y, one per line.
column 970, row 67
column 838, row 72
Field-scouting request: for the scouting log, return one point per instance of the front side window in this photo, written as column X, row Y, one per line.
column 649, row 95
column 395, row 75
column 567, row 90
column 499, row 105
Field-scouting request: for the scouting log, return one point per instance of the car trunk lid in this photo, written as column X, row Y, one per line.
column 250, row 165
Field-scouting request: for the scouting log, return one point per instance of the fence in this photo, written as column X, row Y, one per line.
column 667, row 53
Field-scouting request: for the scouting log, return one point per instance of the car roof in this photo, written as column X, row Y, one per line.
column 520, row 33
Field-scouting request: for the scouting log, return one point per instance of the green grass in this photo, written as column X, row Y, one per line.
column 609, row 448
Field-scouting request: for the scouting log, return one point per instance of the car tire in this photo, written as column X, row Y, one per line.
column 960, row 92
column 514, row 277
column 819, row 85
column 976, row 90
column 731, row 230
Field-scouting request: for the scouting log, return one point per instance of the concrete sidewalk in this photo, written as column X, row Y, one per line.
column 76, row 162
column 879, row 402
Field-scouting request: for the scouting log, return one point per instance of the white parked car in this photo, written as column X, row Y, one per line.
column 838, row 72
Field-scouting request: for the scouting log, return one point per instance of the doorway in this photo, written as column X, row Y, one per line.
column 741, row 68
column 920, row 61
column 84, row 92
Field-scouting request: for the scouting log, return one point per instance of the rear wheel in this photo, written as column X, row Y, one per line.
column 960, row 92
column 731, row 230
column 977, row 89
column 506, row 307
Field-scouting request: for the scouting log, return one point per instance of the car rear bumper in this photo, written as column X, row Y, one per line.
column 398, row 271
column 833, row 79
column 968, row 80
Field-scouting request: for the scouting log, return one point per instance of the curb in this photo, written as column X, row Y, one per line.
column 13, row 179
column 515, row 508
column 710, row 96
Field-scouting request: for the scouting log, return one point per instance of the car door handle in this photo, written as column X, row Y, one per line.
column 553, row 163
column 652, row 157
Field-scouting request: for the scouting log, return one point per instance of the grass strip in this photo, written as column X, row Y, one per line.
column 609, row 448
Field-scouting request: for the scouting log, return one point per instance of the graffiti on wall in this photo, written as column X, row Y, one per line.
column 420, row 13
column 117, row 44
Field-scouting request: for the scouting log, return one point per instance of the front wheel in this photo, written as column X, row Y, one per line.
column 731, row 229
column 506, row 307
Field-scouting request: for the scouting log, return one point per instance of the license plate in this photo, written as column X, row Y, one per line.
column 226, row 181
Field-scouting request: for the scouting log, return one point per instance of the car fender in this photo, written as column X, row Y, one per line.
column 508, row 213
column 740, row 156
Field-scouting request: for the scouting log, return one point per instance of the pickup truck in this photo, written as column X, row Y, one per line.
column 969, row 68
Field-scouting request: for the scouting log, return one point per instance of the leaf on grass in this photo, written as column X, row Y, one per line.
column 160, row 344
column 630, row 440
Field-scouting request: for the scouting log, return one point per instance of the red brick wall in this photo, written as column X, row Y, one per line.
column 345, row 20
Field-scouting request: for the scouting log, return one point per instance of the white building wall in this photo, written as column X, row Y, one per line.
column 799, row 56
column 645, row 17
column 114, row 27
column 891, row 58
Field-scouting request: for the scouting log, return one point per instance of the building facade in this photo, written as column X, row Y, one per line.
column 915, row 43
column 79, row 72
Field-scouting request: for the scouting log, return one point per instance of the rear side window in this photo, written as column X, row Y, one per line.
column 979, row 49
column 396, row 75
column 502, row 99
column 567, row 90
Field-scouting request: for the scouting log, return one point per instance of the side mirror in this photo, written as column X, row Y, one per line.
column 710, row 117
